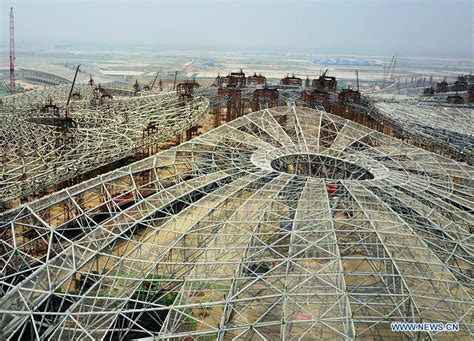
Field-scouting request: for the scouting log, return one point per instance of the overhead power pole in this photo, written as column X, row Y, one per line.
column 12, row 52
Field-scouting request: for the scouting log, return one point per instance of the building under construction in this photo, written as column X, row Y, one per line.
column 421, row 121
column 286, row 223
column 309, row 212
column 55, row 137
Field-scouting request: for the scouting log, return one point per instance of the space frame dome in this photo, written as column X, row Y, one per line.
column 287, row 223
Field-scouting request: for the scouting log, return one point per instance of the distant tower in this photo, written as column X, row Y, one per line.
column 12, row 53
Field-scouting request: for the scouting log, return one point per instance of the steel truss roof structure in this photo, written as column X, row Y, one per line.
column 287, row 223
column 449, row 125
column 452, row 124
column 40, row 147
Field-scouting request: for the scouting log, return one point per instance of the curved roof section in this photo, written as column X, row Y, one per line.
column 40, row 149
column 285, row 223
column 63, row 72
column 452, row 124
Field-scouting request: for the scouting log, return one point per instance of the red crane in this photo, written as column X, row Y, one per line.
column 12, row 53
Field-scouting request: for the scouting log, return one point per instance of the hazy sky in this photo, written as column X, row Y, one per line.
column 406, row 27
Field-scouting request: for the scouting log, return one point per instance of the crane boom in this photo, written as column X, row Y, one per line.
column 72, row 86
column 392, row 72
column 357, row 77
column 12, row 53
column 386, row 71
column 153, row 84
column 175, row 76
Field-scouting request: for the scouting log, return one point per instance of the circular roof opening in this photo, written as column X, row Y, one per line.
column 319, row 166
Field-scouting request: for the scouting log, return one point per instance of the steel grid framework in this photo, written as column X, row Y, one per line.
column 449, row 125
column 38, row 152
column 287, row 223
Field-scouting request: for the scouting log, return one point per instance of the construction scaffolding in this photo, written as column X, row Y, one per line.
column 236, row 95
column 287, row 223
